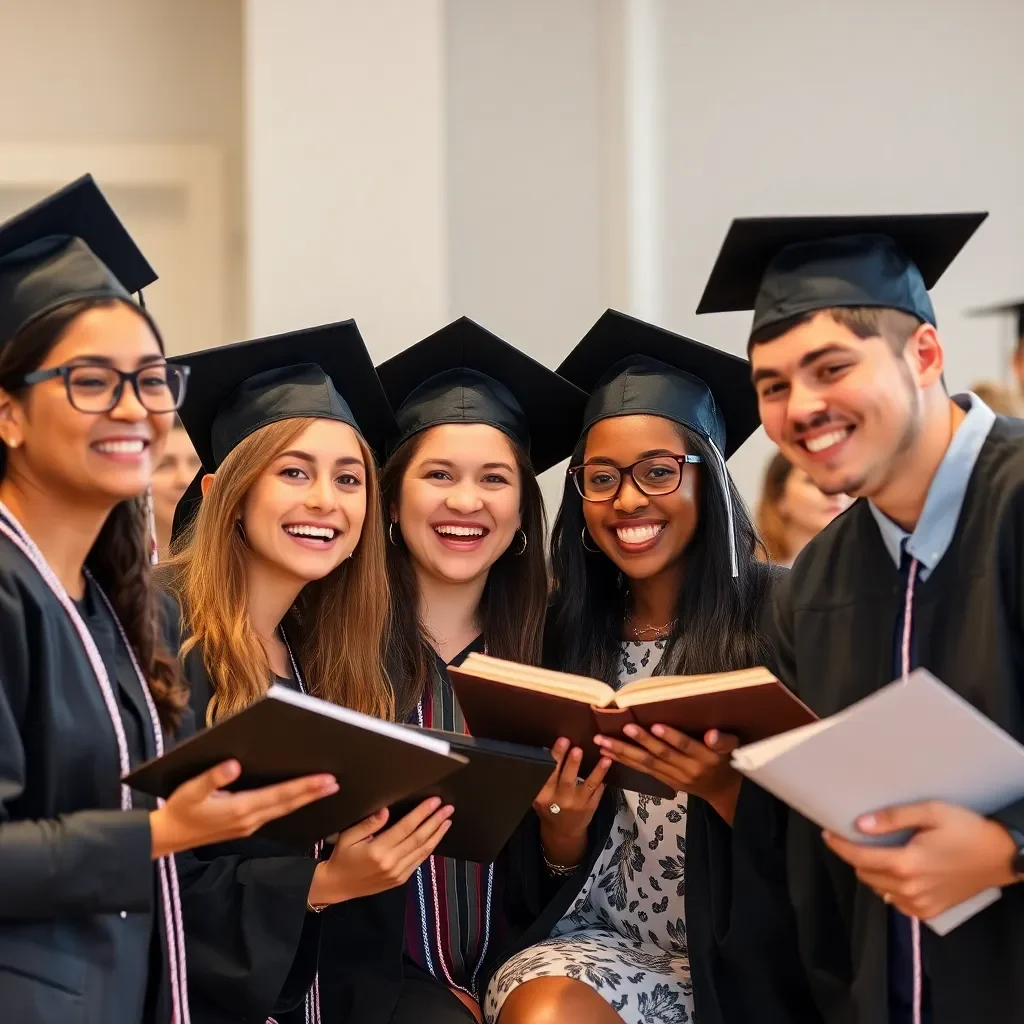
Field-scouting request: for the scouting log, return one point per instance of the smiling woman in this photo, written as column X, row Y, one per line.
column 90, row 920
column 477, row 419
column 655, row 564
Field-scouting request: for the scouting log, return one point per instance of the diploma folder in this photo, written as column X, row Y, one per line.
column 286, row 735
column 504, row 700
column 491, row 795
column 908, row 742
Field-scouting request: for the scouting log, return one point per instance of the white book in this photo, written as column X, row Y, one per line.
column 908, row 742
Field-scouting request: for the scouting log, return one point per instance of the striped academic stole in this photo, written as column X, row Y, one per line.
column 449, row 913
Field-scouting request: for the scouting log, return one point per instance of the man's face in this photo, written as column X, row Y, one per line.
column 842, row 408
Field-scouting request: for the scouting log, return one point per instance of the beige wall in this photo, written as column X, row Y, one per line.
column 131, row 71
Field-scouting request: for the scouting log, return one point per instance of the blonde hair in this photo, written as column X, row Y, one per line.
column 770, row 523
column 337, row 622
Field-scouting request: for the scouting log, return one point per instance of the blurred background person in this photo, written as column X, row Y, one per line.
column 792, row 510
column 171, row 478
column 999, row 398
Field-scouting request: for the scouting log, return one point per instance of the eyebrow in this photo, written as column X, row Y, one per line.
column 809, row 357
column 653, row 453
column 97, row 360
column 451, row 465
column 345, row 460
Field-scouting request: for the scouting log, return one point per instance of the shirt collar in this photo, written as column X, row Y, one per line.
column 935, row 528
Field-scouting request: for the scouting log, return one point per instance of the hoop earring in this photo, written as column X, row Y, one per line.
column 583, row 535
column 521, row 532
column 391, row 533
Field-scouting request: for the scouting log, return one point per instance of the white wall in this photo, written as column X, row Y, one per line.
column 345, row 136
column 800, row 107
column 124, row 71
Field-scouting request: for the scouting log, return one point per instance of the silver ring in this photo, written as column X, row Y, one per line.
column 555, row 809
column 579, row 781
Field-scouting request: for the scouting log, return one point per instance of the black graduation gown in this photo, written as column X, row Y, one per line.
column 740, row 928
column 364, row 973
column 834, row 628
column 251, row 943
column 82, row 937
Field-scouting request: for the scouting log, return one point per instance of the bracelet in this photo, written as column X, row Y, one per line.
column 558, row 870
column 316, row 908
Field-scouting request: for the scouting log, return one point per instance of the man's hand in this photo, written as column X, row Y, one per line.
column 953, row 855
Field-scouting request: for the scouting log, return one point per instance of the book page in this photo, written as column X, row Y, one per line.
column 540, row 680
column 645, row 691
column 358, row 719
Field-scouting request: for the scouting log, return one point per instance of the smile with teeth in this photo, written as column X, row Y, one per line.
column 447, row 530
column 638, row 534
column 315, row 532
column 133, row 447
column 824, row 441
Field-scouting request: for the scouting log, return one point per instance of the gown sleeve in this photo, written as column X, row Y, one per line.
column 85, row 862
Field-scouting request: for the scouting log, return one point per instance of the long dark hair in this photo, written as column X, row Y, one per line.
column 514, row 599
column 120, row 558
column 716, row 615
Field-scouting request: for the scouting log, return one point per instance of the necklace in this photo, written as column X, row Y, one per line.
column 443, row 641
column 659, row 631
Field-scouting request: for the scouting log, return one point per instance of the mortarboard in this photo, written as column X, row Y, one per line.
column 1016, row 309
column 70, row 245
column 465, row 374
column 629, row 367
column 633, row 368
column 783, row 267
column 234, row 390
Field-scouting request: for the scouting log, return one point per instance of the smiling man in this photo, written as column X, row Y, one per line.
column 848, row 366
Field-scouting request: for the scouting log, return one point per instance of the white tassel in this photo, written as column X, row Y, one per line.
column 728, row 506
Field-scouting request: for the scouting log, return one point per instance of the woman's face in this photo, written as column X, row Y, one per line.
column 304, row 515
column 174, row 472
column 460, row 502
column 806, row 510
column 99, row 458
column 643, row 535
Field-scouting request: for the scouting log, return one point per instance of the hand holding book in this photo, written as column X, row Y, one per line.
column 681, row 763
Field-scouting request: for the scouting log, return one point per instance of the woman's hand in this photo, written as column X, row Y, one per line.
column 366, row 861
column 199, row 812
column 682, row 763
column 564, row 834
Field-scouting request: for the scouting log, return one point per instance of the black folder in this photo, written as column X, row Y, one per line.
column 287, row 735
column 491, row 795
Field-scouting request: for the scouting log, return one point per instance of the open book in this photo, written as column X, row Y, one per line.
column 910, row 741
column 522, row 704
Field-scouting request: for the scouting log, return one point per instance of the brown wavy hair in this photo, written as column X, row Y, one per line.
column 514, row 601
column 769, row 520
column 120, row 558
column 337, row 623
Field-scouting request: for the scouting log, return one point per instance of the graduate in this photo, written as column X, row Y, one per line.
column 1015, row 311
column 90, row 919
column 924, row 569
column 280, row 577
column 655, row 559
column 174, row 472
column 477, row 419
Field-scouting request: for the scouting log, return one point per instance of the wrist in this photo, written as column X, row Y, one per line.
column 1008, row 853
column 319, row 894
column 159, row 835
column 561, row 847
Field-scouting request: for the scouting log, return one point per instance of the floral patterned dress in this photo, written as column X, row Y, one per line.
column 625, row 934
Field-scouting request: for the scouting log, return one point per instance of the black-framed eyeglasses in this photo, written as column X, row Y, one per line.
column 653, row 476
column 159, row 387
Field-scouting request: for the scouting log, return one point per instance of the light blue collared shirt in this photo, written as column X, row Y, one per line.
column 935, row 528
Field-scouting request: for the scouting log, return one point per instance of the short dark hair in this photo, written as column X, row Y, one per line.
column 865, row 321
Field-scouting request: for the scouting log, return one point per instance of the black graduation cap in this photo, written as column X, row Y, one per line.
column 1015, row 309
column 631, row 368
column 782, row 267
column 70, row 245
column 234, row 390
column 465, row 374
